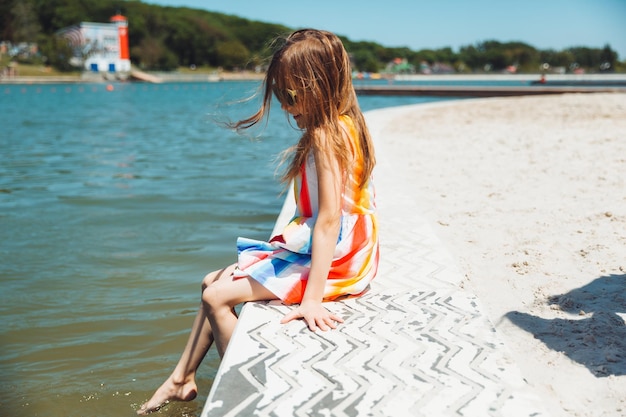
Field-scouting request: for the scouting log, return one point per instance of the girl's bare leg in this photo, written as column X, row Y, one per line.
column 181, row 384
column 219, row 300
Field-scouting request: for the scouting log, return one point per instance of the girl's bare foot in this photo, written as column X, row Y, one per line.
column 169, row 391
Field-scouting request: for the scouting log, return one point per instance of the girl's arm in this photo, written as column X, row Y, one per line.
column 325, row 234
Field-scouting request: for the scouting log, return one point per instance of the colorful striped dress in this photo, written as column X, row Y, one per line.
column 282, row 265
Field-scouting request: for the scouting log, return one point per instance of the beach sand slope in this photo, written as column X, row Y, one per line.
column 529, row 196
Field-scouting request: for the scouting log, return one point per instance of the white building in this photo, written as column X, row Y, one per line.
column 100, row 47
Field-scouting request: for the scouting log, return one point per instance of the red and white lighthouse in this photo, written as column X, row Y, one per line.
column 122, row 32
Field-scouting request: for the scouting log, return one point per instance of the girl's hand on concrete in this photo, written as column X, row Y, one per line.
column 315, row 316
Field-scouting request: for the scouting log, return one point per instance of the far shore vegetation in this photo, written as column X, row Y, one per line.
column 185, row 39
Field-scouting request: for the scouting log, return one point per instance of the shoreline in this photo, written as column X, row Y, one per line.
column 87, row 78
column 252, row 76
column 528, row 195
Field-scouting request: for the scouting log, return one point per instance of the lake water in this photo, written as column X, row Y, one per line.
column 113, row 206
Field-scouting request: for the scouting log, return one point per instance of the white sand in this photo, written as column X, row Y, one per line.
column 529, row 195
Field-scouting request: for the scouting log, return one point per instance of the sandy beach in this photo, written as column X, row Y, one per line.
column 529, row 196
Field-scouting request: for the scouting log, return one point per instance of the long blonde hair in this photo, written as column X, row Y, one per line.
column 316, row 65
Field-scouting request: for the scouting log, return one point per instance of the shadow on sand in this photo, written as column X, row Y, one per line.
column 597, row 341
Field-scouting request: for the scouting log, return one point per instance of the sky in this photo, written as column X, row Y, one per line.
column 434, row 24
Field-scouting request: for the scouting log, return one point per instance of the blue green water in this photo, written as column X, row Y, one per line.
column 113, row 206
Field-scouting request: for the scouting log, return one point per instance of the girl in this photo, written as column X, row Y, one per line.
column 330, row 247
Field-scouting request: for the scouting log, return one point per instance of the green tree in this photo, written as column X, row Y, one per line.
column 154, row 55
column 25, row 22
column 255, row 36
column 232, row 54
column 56, row 52
column 586, row 57
column 471, row 56
column 608, row 59
column 365, row 61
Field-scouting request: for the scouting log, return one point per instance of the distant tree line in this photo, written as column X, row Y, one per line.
column 165, row 38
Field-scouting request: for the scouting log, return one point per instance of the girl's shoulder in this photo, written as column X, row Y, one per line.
column 335, row 138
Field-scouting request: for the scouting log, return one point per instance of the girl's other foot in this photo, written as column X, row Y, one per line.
column 169, row 391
